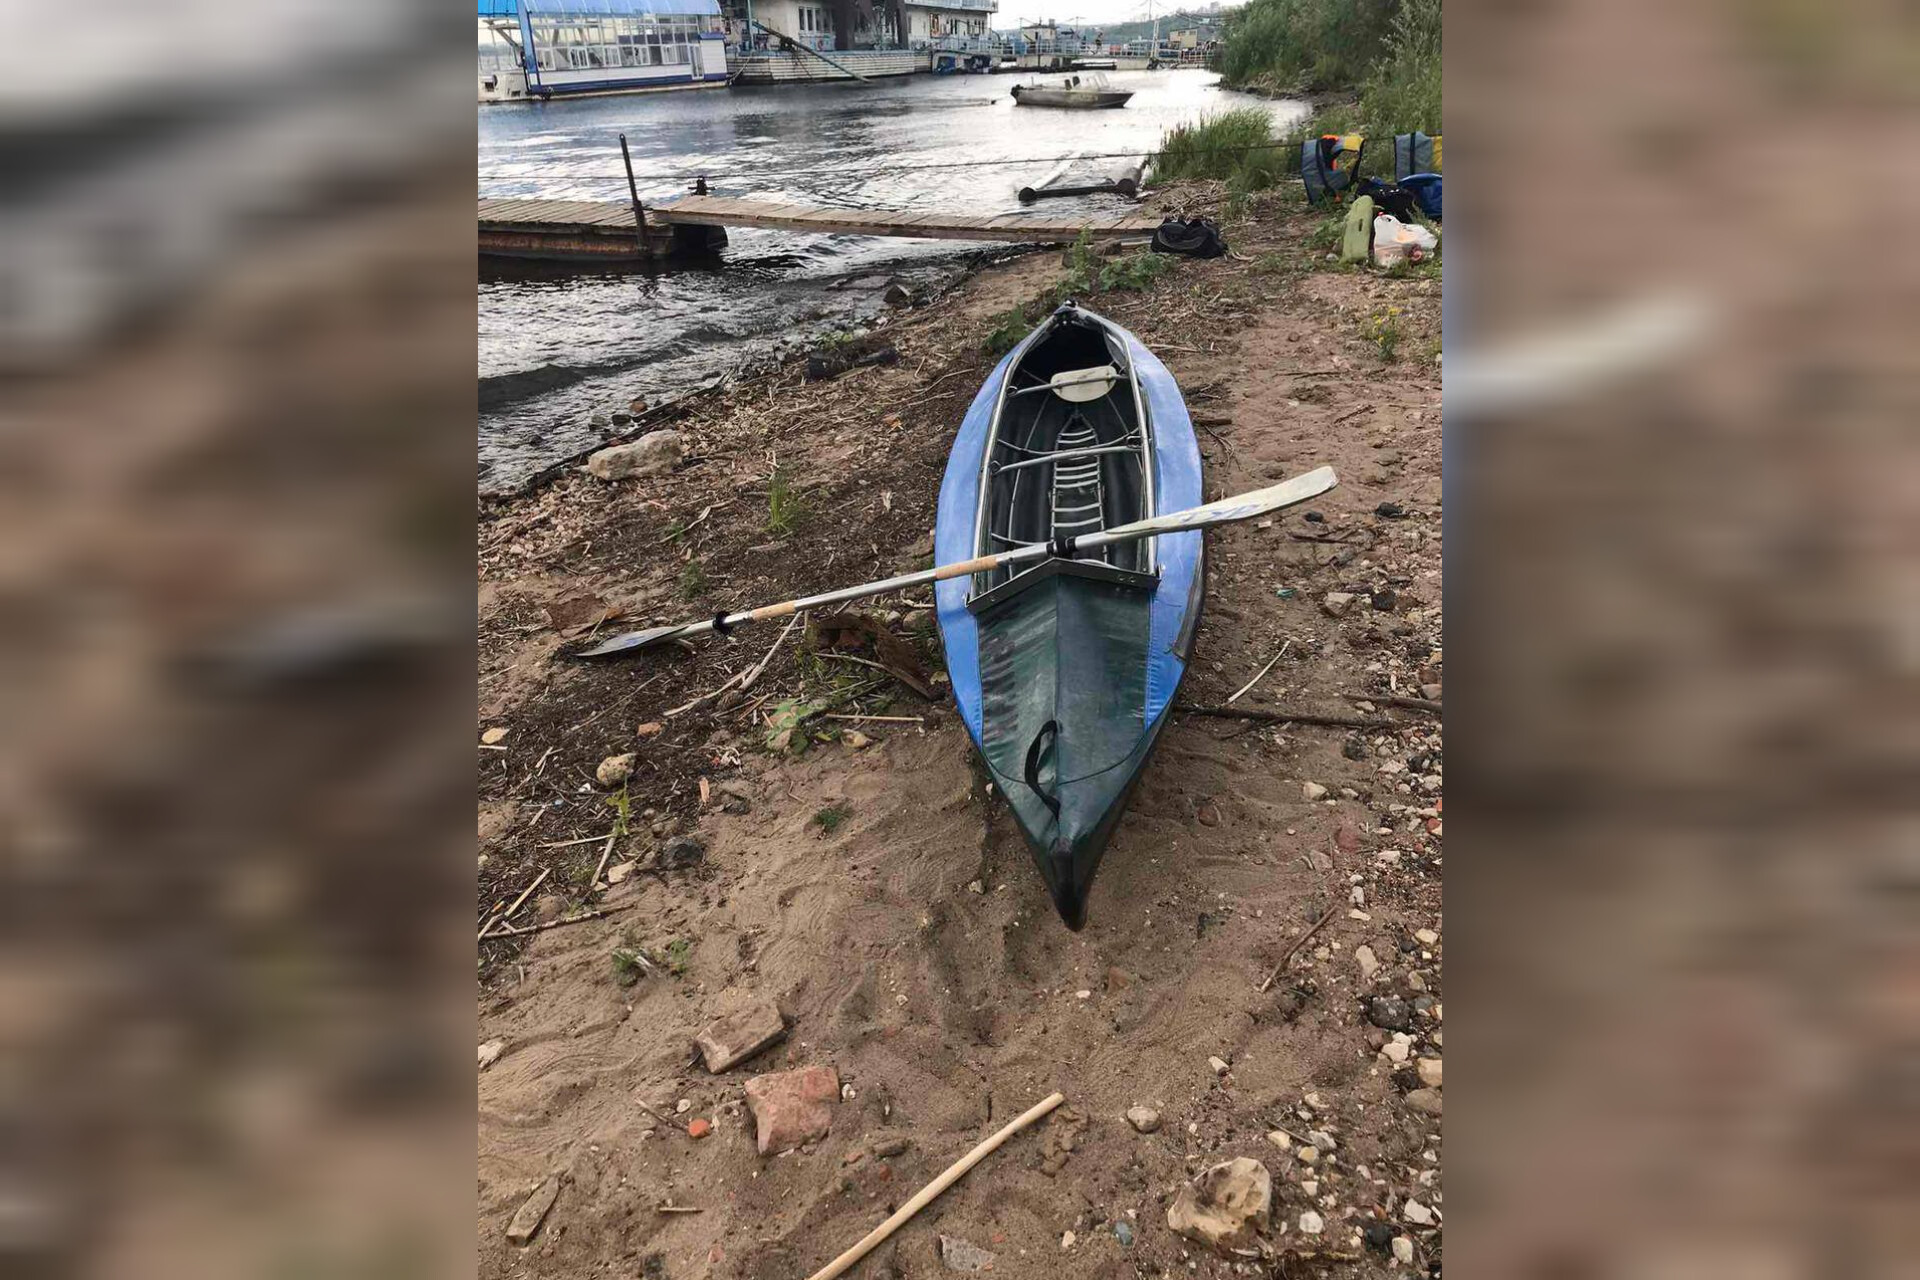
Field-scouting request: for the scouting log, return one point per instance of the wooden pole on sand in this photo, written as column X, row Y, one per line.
column 926, row 1194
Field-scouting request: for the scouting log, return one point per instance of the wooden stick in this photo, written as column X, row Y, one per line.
column 1286, row 717
column 1390, row 700
column 1298, row 943
column 604, row 854
column 564, row 844
column 876, row 719
column 927, row 1193
column 1263, row 671
column 508, row 931
column 508, row 913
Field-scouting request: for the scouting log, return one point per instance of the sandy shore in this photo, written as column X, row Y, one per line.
column 856, row 873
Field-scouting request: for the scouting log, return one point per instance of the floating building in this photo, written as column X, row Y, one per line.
column 551, row 48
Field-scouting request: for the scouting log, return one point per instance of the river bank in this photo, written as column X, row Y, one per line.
column 821, row 840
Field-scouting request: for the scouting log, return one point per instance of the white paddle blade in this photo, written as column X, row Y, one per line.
column 1242, row 506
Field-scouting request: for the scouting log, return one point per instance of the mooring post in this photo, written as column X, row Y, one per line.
column 639, row 214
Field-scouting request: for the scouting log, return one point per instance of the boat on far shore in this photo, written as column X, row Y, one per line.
column 1085, row 93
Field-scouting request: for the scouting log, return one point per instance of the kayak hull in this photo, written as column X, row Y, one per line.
column 1065, row 673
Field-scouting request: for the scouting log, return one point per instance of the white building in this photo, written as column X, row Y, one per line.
column 548, row 48
column 871, row 24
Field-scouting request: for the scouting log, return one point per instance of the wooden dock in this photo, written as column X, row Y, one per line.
column 604, row 229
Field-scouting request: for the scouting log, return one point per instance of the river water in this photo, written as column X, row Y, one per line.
column 556, row 347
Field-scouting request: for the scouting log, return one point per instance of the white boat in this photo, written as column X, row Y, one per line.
column 1085, row 93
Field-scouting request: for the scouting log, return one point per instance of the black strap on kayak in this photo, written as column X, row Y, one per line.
column 720, row 624
column 1061, row 549
column 1049, row 732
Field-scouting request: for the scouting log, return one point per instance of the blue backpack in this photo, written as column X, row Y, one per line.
column 1426, row 192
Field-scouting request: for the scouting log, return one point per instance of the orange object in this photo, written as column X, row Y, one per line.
column 699, row 1129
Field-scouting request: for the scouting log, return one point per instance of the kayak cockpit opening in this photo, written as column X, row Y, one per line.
column 1069, row 454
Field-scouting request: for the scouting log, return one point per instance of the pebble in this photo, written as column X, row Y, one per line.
column 1322, row 1139
column 1312, row 791
column 1390, row 1012
column 1369, row 963
column 1396, row 1051
column 1124, row 1234
column 1308, row 1155
column 1066, row 1241
column 614, row 770
column 527, row 1219
column 1312, row 1223
column 1336, row 603
column 1403, row 1250
column 1357, row 896
column 1280, row 1138
column 1219, row 1065
column 1417, row 1213
column 1378, row 1235
column 1311, row 1186
column 701, row 1128
column 1083, row 994
column 962, row 1255
column 890, row 1147
column 1143, row 1119
column 490, row 1052
column 1424, row 1100
column 683, row 1106
column 1426, row 937
column 1429, row 1069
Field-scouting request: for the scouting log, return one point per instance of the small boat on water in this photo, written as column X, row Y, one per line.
column 1065, row 669
column 1085, row 93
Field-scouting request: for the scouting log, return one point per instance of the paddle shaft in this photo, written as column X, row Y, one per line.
column 1240, row 507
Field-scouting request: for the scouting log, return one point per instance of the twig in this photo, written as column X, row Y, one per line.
column 564, row 844
column 678, row 1208
column 1263, row 671
column 927, row 1193
column 1287, row 717
column 604, row 853
column 508, row 931
column 1298, row 943
column 743, row 681
column 878, row 719
column 1389, row 700
column 508, row 913
column 1351, row 413
column 646, row 1107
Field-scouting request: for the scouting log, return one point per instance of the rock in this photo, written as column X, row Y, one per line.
column 649, row 729
column 1388, row 457
column 1354, row 749
column 1143, row 1119
column 699, row 1128
column 890, row 1147
column 1066, row 1241
column 682, row 851
column 620, row 871
column 897, row 295
column 614, row 770
column 1417, row 1213
column 1307, row 1155
column 1369, row 964
column 547, row 907
column 731, row 1040
column 1312, row 1223
column 490, row 1052
column 527, row 1219
column 1403, row 1250
column 1390, row 1012
column 1124, row 1234
column 1425, row 937
column 597, row 419
column 1321, row 1139
column 960, row 1255
column 1219, row 1065
column 1334, row 604
column 1396, row 1052
column 683, row 1106
column 637, row 406
column 1319, row 861
column 1312, row 791
column 493, row 736
column 1226, row 1207
column 1429, row 1069
column 1424, row 1100
column 856, row 739
column 1280, row 1138
column 1346, row 839
column 1357, row 896
column 1377, row 1235
column 1385, row 600
column 1431, row 692
column 653, row 454
column 1390, row 511
column 622, row 419
column 792, row 1107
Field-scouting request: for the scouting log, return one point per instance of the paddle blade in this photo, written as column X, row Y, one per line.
column 628, row 641
column 1242, row 506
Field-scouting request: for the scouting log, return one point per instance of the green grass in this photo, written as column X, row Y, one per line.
column 1009, row 327
column 1236, row 146
column 622, row 808
column 678, row 952
column 830, row 818
column 783, row 504
column 1384, row 328
column 627, row 967
column 693, row 580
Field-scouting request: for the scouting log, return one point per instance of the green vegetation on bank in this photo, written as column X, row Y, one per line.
column 1386, row 50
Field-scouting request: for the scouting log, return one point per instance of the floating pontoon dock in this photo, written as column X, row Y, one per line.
column 604, row 230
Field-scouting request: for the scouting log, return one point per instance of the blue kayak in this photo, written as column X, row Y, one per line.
column 1065, row 669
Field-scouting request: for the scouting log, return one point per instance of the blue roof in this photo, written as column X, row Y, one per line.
column 512, row 8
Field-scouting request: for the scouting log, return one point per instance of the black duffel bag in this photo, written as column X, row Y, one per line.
column 1189, row 237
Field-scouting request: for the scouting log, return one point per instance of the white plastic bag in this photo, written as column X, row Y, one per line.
column 1394, row 241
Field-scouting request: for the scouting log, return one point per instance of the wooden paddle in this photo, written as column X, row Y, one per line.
column 1243, row 506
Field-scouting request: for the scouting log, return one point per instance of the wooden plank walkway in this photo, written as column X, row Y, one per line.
column 612, row 218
